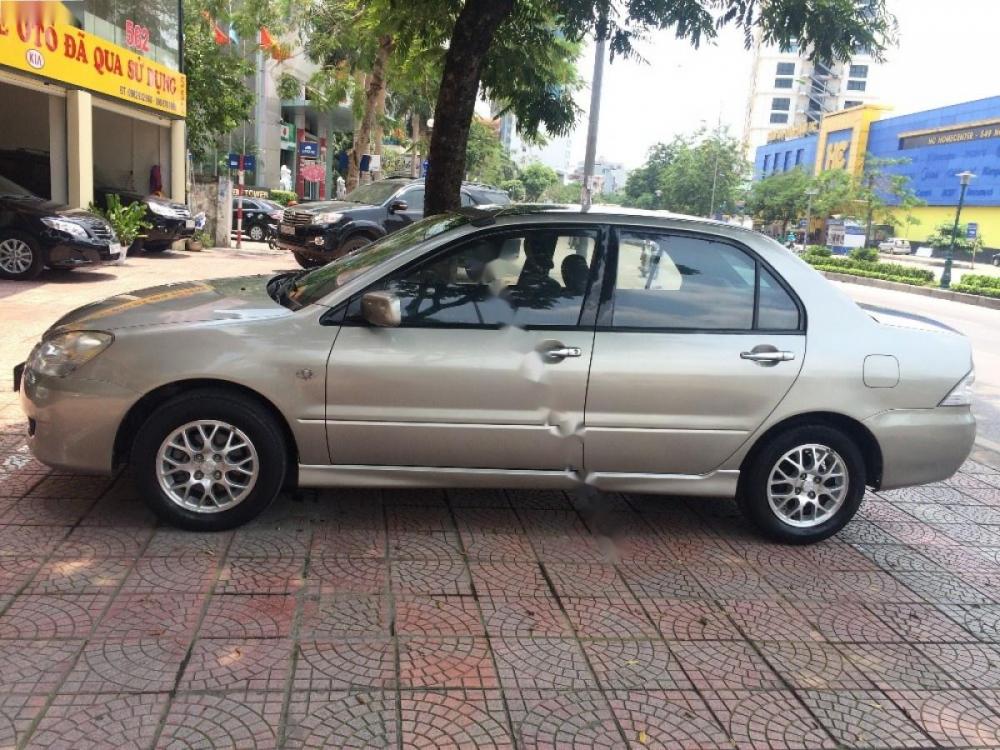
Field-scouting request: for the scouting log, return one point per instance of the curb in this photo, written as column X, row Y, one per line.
column 927, row 291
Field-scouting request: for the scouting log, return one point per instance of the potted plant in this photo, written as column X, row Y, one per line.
column 197, row 242
column 128, row 221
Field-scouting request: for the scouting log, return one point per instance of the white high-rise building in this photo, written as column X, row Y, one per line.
column 787, row 90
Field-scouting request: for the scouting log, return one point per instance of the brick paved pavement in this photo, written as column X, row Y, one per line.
column 492, row 619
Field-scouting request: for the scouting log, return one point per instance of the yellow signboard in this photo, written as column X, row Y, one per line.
column 43, row 43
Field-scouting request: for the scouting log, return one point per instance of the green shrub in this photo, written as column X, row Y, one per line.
column 282, row 196
column 978, row 280
column 864, row 254
column 884, row 276
column 821, row 251
column 982, row 291
column 127, row 221
column 849, row 265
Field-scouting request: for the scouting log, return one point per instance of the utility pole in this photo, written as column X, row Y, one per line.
column 811, row 192
column 715, row 177
column 587, row 192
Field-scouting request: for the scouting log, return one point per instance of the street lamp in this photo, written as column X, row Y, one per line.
column 810, row 193
column 965, row 178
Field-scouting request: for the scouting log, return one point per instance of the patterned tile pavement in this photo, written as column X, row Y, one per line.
column 492, row 619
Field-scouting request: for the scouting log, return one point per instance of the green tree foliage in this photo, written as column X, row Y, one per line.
column 569, row 193
column 537, row 178
column 514, row 188
column 780, row 197
column 691, row 175
column 486, row 161
column 829, row 29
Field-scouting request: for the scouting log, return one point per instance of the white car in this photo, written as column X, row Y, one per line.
column 895, row 246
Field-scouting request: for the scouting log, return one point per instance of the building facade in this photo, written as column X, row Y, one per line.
column 929, row 148
column 95, row 89
column 787, row 90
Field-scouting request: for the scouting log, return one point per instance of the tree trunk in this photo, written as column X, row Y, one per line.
column 374, row 90
column 456, row 101
column 354, row 156
column 415, row 157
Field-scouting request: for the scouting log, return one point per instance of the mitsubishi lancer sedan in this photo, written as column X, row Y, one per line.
column 524, row 346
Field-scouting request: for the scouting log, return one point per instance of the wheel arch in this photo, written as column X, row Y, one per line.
column 867, row 443
column 145, row 406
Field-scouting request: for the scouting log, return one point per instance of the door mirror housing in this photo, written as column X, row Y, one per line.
column 381, row 309
column 397, row 205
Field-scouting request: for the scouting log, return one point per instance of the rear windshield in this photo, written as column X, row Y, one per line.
column 315, row 285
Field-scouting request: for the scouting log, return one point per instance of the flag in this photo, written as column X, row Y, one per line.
column 266, row 42
column 220, row 35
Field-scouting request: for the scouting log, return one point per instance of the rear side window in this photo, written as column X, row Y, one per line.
column 681, row 282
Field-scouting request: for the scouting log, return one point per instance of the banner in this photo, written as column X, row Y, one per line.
column 49, row 46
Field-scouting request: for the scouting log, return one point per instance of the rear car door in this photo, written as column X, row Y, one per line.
column 489, row 366
column 697, row 343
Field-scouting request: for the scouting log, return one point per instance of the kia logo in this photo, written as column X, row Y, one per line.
column 35, row 59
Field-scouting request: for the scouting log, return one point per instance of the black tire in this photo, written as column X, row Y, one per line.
column 351, row 244
column 21, row 243
column 245, row 414
column 307, row 262
column 753, row 500
column 256, row 233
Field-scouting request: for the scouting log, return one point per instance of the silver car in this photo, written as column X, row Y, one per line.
column 515, row 347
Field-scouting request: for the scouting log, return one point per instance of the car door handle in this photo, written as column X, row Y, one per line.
column 560, row 353
column 768, row 357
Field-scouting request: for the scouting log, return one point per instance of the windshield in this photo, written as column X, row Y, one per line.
column 9, row 187
column 375, row 193
column 313, row 286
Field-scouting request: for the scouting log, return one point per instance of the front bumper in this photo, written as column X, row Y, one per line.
column 166, row 231
column 64, row 253
column 72, row 422
column 315, row 241
column 920, row 446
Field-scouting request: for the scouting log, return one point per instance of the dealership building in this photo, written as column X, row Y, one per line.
column 932, row 147
column 93, row 92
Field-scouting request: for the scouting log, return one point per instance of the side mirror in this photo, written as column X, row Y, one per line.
column 397, row 205
column 381, row 309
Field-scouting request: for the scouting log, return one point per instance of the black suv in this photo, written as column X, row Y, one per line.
column 316, row 233
column 169, row 221
column 35, row 233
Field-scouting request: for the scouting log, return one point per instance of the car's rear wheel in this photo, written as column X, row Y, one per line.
column 804, row 485
column 20, row 256
column 209, row 460
column 307, row 262
column 256, row 233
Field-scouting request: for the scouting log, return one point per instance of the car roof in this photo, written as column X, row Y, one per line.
column 598, row 213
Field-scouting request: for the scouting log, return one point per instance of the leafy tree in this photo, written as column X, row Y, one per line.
column 537, row 178
column 514, row 188
column 831, row 29
column 836, row 193
column 486, row 160
column 693, row 174
column 568, row 193
column 881, row 190
column 780, row 197
column 941, row 238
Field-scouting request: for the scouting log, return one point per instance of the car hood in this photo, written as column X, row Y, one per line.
column 42, row 207
column 325, row 206
column 238, row 298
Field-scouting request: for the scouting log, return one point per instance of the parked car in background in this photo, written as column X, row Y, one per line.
column 522, row 346
column 895, row 246
column 169, row 220
column 316, row 233
column 36, row 233
column 258, row 213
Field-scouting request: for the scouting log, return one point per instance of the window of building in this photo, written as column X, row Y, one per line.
column 851, row 103
column 782, row 83
column 782, row 103
column 858, row 71
column 788, row 159
column 767, row 162
column 815, row 105
column 856, row 85
column 786, row 69
column 798, row 156
column 779, row 117
column 533, row 279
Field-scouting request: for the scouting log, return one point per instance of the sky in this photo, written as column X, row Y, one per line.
column 947, row 53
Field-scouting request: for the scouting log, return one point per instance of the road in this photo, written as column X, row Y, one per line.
column 980, row 324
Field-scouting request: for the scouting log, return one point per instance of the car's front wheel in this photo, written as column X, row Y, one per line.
column 20, row 257
column 209, row 460
column 306, row 262
column 256, row 233
column 804, row 485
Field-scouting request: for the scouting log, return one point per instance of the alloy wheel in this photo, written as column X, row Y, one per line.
column 256, row 234
column 15, row 256
column 807, row 485
column 207, row 466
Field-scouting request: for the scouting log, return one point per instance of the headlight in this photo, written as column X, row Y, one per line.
column 62, row 354
column 160, row 209
column 961, row 394
column 67, row 227
column 326, row 218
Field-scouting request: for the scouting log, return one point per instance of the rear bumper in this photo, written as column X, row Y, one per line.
column 922, row 445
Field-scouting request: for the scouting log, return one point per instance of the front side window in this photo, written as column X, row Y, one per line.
column 687, row 283
column 414, row 199
column 530, row 279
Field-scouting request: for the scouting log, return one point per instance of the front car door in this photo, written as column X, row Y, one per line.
column 696, row 345
column 488, row 369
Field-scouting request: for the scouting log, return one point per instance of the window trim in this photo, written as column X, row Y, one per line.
column 588, row 309
column 605, row 315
